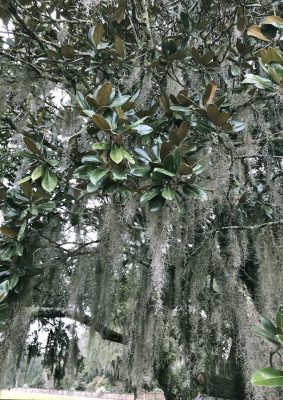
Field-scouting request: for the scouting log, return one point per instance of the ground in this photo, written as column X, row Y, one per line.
column 17, row 395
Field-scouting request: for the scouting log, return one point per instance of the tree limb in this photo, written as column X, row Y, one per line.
column 105, row 332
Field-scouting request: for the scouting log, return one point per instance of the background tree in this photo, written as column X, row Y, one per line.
column 141, row 185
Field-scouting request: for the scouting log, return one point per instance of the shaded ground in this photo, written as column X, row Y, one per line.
column 16, row 395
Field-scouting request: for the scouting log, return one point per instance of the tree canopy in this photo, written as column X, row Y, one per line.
column 141, row 187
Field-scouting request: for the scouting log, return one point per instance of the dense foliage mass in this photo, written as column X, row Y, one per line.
column 141, row 189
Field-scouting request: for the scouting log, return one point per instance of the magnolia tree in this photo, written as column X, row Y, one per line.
column 141, row 188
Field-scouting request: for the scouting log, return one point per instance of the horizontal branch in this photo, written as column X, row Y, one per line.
column 250, row 227
column 105, row 332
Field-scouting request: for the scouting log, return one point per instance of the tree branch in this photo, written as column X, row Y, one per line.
column 250, row 227
column 105, row 332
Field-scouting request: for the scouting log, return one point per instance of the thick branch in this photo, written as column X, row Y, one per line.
column 105, row 332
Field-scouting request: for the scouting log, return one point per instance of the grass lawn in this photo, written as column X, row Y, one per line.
column 15, row 395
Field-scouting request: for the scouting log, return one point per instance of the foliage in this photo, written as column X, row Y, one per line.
column 270, row 376
column 142, row 155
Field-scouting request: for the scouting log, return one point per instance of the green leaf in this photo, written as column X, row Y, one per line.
column 156, row 203
column 49, row 206
column 269, row 377
column 196, row 192
column 119, row 175
column 168, row 193
column 169, row 164
column 268, row 325
column 100, row 146
column 119, row 101
column 264, row 334
column 279, row 317
column 37, row 172
column 150, row 194
column 89, row 113
column 117, row 154
column 13, row 281
column 140, row 171
column 143, row 154
column 23, row 180
column 52, row 162
column 259, row 82
column 97, row 175
column 22, row 231
column 84, row 171
column 164, row 171
column 143, row 129
column 198, row 169
column 81, row 100
column 181, row 109
column 128, row 156
column 91, row 159
column 49, row 181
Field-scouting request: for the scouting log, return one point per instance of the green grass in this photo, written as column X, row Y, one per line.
column 15, row 395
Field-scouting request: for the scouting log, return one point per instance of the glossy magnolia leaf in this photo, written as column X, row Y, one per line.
column 140, row 171
column 49, row 181
column 37, row 172
column 119, row 101
column 150, row 194
column 49, row 206
column 128, row 157
column 180, row 109
column 268, row 325
column 169, row 163
column 100, row 145
column 182, row 131
column 196, row 192
column 213, row 113
column 97, row 33
column 117, row 154
column 168, row 193
column 222, row 119
column 119, row 175
column 271, row 55
column 31, row 146
column 269, row 377
column 269, row 30
column 258, row 81
column 23, row 180
column 91, row 159
column 198, row 169
column 8, row 232
column 164, row 171
column 89, row 113
column 97, row 174
column 256, row 32
column 120, row 46
column 67, row 51
column 13, row 281
column 266, row 334
column 101, row 122
column 22, row 231
column 103, row 94
column 143, row 129
column 165, row 149
column 142, row 153
column 279, row 318
column 210, row 92
column 156, row 203
column 237, row 126
column 81, row 100
column 185, row 169
column 84, row 171
column 274, row 20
